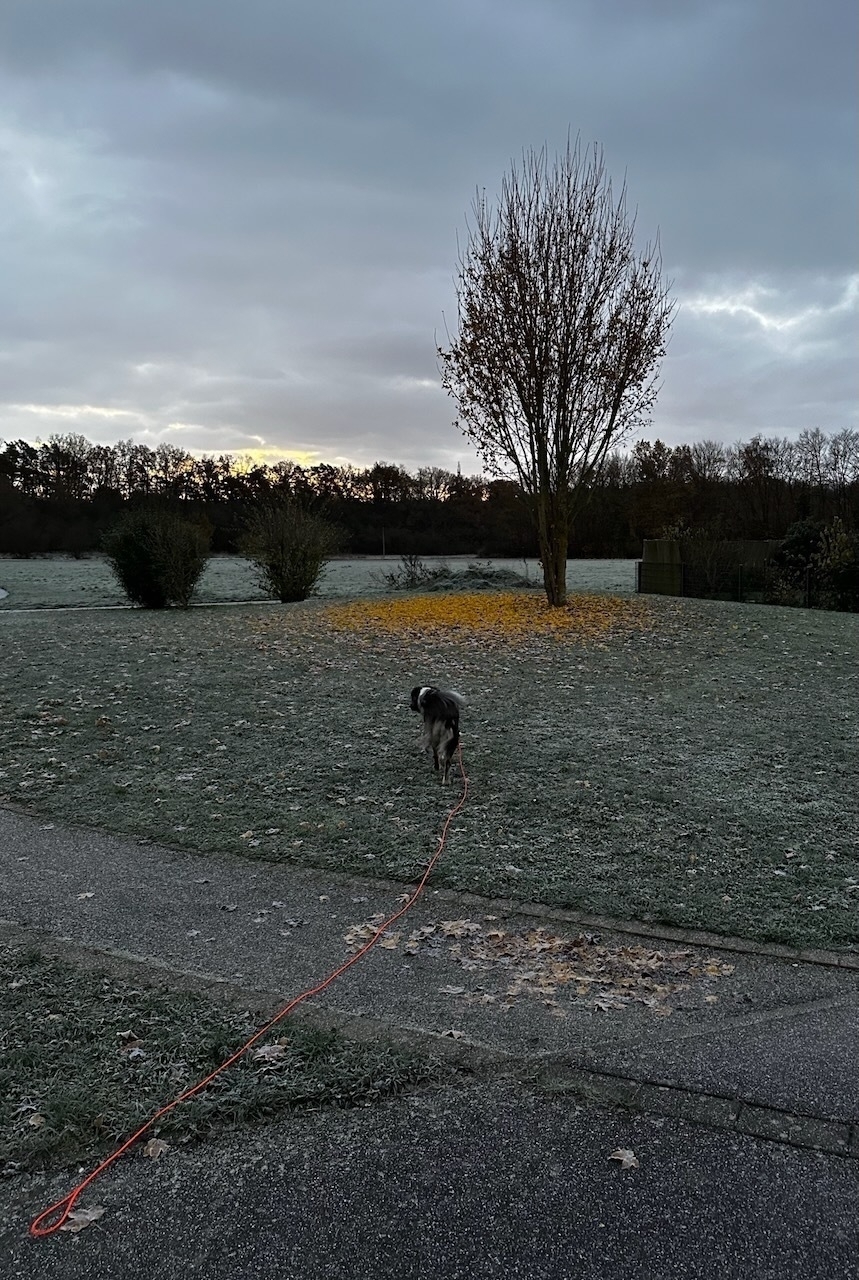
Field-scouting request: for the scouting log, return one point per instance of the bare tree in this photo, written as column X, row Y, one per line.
column 762, row 468
column 433, row 484
column 561, row 328
column 708, row 462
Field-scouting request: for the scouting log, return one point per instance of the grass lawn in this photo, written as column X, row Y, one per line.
column 50, row 582
column 680, row 761
column 87, row 1059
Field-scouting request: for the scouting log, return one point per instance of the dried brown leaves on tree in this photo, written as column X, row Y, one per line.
column 561, row 328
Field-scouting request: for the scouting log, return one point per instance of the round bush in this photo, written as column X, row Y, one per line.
column 157, row 557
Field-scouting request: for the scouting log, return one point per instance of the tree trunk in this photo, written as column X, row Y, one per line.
column 553, row 531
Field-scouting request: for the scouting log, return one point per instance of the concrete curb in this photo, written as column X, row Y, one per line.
column 712, row 1111
column 664, row 933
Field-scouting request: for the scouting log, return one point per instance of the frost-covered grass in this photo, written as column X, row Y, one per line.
column 682, row 761
column 51, row 582
column 46, row 582
column 89, row 1057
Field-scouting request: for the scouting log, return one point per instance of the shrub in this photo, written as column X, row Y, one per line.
column 800, row 546
column 157, row 557
column 817, row 565
column 478, row 576
column 413, row 573
column 836, row 563
column 289, row 545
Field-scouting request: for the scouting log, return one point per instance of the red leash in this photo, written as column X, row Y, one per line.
column 43, row 1226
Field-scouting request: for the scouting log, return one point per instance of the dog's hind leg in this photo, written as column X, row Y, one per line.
column 449, row 747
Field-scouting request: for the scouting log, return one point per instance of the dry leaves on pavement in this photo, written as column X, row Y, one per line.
column 79, row 1219
column 155, row 1148
column 538, row 964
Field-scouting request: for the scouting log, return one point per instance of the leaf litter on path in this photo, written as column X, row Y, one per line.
column 539, row 965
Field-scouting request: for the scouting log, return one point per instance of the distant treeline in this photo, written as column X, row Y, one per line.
column 63, row 494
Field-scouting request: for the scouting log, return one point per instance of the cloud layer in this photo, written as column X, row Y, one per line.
column 235, row 227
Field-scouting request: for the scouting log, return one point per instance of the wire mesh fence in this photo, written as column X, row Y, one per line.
column 754, row 583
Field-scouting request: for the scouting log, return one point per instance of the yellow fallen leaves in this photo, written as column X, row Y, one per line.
column 503, row 614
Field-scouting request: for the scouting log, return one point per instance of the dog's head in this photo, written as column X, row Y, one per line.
column 435, row 702
column 419, row 694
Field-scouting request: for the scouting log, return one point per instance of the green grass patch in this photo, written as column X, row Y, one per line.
column 87, row 1059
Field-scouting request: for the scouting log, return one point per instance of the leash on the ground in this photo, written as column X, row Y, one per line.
column 43, row 1226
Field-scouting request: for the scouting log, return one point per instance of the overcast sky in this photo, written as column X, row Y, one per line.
column 233, row 226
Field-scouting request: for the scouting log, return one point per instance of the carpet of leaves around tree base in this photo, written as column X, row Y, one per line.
column 502, row 615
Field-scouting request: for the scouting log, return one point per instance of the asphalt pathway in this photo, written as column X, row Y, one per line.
column 737, row 1071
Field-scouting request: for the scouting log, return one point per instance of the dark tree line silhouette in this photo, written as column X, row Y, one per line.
column 63, row 494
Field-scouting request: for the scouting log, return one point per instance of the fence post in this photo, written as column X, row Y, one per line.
column 808, row 586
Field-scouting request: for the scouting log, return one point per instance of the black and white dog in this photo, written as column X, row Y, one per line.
column 440, row 710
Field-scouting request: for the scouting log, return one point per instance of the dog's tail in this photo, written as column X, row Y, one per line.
column 456, row 697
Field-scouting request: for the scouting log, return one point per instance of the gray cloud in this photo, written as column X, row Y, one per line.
column 236, row 227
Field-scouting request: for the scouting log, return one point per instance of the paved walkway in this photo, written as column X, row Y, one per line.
column 710, row 1046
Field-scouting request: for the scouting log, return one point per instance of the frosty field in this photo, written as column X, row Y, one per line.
column 50, row 582
column 681, row 761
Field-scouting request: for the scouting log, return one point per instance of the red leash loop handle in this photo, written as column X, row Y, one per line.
column 53, row 1218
